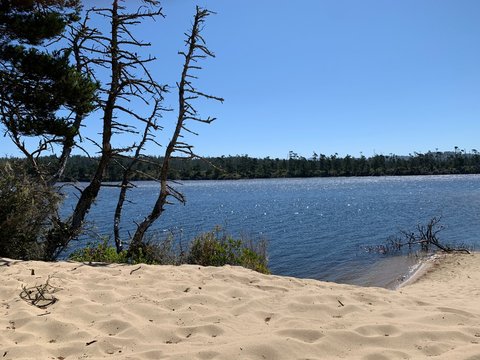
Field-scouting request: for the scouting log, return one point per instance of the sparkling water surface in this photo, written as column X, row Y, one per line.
column 317, row 227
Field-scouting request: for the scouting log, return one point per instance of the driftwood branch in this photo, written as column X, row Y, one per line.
column 426, row 237
column 40, row 296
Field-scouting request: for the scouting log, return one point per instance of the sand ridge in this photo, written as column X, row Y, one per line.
column 192, row 312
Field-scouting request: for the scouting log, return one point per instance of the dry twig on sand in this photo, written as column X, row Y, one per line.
column 40, row 296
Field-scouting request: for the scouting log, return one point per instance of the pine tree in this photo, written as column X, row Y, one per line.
column 37, row 85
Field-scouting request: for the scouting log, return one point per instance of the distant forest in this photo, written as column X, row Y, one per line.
column 81, row 168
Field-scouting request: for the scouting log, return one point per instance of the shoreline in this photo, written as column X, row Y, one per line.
column 192, row 312
column 423, row 266
column 391, row 272
column 428, row 264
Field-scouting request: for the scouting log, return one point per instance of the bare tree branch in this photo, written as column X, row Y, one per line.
column 195, row 43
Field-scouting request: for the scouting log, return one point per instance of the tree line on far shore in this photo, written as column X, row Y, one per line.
column 81, row 168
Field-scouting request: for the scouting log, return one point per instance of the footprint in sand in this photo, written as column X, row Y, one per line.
column 304, row 335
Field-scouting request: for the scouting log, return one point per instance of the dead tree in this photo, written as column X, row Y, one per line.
column 426, row 237
column 117, row 53
column 113, row 60
column 187, row 93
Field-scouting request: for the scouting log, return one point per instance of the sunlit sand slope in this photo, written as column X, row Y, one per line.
column 191, row 312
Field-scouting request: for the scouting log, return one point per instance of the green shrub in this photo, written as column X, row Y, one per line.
column 26, row 211
column 99, row 252
column 213, row 248
column 157, row 251
column 217, row 248
column 253, row 260
column 160, row 253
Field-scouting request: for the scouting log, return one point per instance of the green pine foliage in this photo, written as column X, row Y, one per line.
column 38, row 88
column 35, row 83
column 34, row 21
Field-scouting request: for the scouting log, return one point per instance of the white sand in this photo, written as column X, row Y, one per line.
column 190, row 312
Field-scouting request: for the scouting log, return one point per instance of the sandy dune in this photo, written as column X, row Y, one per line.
column 190, row 312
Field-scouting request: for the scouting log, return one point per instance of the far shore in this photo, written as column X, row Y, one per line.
column 191, row 312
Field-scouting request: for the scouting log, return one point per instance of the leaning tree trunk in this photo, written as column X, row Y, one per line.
column 186, row 93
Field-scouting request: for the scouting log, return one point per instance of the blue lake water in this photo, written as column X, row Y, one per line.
column 316, row 227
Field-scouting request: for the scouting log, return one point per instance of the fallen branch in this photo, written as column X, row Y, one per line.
column 40, row 296
column 425, row 237
column 131, row 272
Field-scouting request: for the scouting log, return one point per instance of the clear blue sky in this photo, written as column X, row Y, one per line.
column 336, row 76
